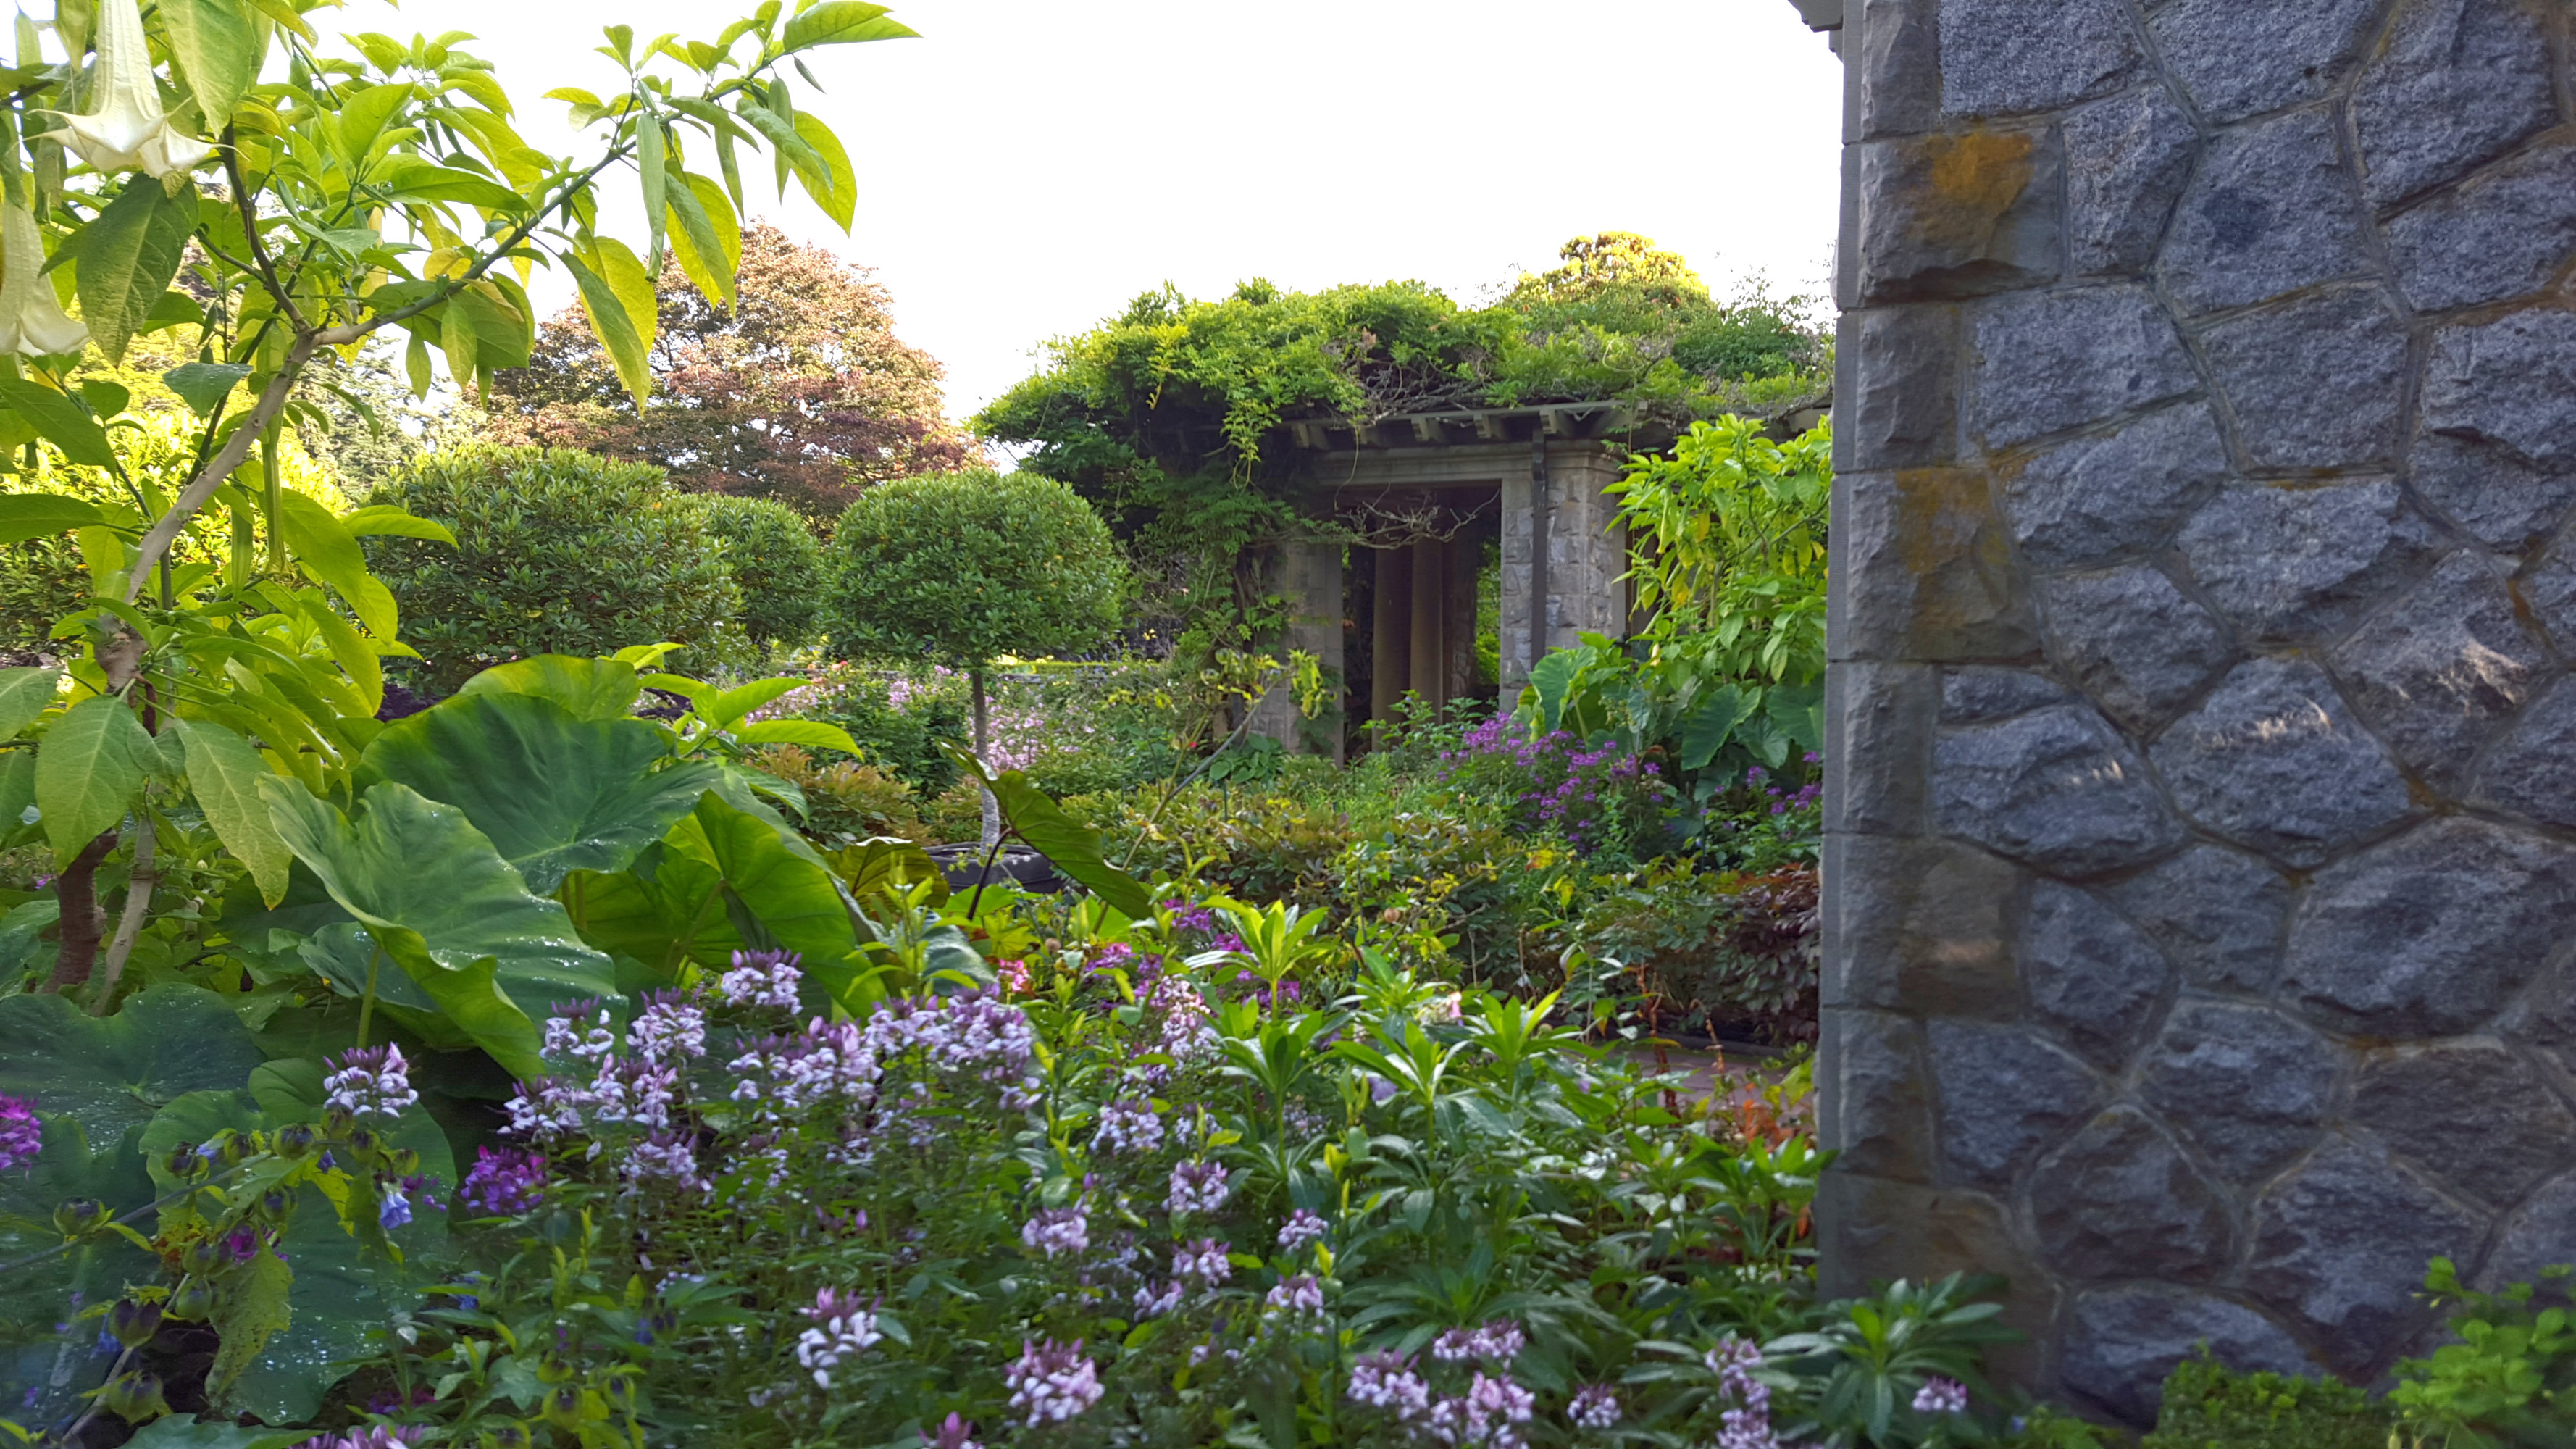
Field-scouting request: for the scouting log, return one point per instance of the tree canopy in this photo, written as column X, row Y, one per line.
column 801, row 392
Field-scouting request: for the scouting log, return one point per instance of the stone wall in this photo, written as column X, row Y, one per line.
column 2201, row 838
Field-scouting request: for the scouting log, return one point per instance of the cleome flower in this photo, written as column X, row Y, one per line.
column 1128, row 1125
column 842, row 1330
column 1384, row 1381
column 1057, row 1231
column 1198, row 1187
column 125, row 128
column 1594, row 1406
column 1941, row 1396
column 1302, row 1227
column 504, row 1182
column 1203, row 1262
column 761, row 980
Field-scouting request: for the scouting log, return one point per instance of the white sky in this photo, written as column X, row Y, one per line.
column 1027, row 166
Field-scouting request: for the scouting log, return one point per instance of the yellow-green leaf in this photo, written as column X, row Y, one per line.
column 24, row 694
column 224, row 773
column 217, row 44
column 705, row 235
column 88, row 770
column 614, row 327
column 840, row 200
column 840, row 22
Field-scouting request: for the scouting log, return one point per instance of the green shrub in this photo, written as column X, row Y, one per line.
column 847, row 801
column 1723, row 951
column 962, row 568
column 2208, row 1406
column 775, row 560
column 558, row 552
column 2509, row 1376
column 898, row 727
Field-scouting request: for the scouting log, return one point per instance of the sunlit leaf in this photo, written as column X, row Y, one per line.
column 88, row 771
column 224, row 774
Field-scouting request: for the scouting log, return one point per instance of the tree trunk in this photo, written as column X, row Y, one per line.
column 82, row 924
column 984, row 752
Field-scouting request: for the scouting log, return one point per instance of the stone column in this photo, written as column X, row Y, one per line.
column 2201, row 810
column 1310, row 576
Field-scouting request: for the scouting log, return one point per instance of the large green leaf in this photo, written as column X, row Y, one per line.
column 675, row 905
column 328, row 551
column 1071, row 846
column 554, row 792
column 224, row 773
column 1712, row 723
column 59, row 420
column 88, row 769
column 841, row 22
column 614, row 326
column 1548, row 681
column 130, row 253
column 444, row 904
column 340, row 1297
column 590, row 688
column 25, row 694
column 41, row 515
column 185, row 1431
column 217, row 44
column 111, row 1073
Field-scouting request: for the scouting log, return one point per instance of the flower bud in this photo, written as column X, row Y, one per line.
column 295, row 1141
column 194, row 1302
column 563, row 1407
column 362, row 1141
column 505, row 1435
column 134, row 1397
column 201, row 1256
column 134, row 1323
column 183, row 1162
column 80, row 1216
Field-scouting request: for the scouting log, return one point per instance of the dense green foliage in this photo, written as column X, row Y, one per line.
column 960, row 569
column 775, row 559
column 2207, row 1406
column 557, row 552
column 1170, row 415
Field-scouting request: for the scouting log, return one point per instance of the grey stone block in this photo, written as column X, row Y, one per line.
column 2317, row 382
column 2004, row 1095
column 2246, row 1085
column 1999, row 57
column 1900, row 62
column 2511, row 382
column 2503, row 501
column 1981, row 692
column 1903, row 410
column 2532, row 772
column 1873, row 1107
column 2054, row 788
column 2272, row 209
column 1870, row 1229
column 2133, row 641
column 2440, row 670
column 2539, row 1234
column 1923, row 927
column 2418, row 1099
column 2303, row 563
column 2431, row 933
column 2119, row 1200
column 2050, row 361
column 2092, row 975
column 2126, row 161
column 2094, row 500
column 2341, row 1246
column 1959, row 215
column 2545, row 1020
column 2502, row 234
column 2121, row 1342
column 2549, row 587
column 1926, row 570
column 2239, row 58
column 1879, row 719
column 2219, row 915
column 2273, row 760
column 2457, row 83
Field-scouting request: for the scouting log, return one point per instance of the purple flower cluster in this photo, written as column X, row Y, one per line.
column 670, row 1157
column 842, row 1330
column 761, row 981
column 1553, row 779
column 1128, row 1125
column 1941, row 1396
column 21, row 1135
column 1300, row 1296
column 1302, row 1227
column 1491, row 1412
column 1197, row 1187
column 1385, row 1381
column 954, row 1433
column 1594, row 1406
column 505, row 1182
column 1180, row 1015
column 1052, row 1384
column 371, row 1082
column 1203, row 1262
column 1497, row 1343
column 667, row 1029
column 1057, row 1231
column 370, row 1436
column 1746, row 1425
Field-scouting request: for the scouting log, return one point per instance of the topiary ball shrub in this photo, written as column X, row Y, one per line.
column 776, row 560
column 962, row 568
column 557, row 552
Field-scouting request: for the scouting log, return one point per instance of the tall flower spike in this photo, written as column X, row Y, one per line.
column 32, row 323
column 126, row 129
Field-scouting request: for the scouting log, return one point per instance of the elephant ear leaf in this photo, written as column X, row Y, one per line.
column 590, row 688
column 1071, row 846
column 443, row 904
column 553, row 791
column 113, row 1073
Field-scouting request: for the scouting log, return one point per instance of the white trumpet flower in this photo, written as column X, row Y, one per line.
column 32, row 323
column 126, row 129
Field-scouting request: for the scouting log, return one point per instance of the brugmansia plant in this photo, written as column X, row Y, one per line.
column 153, row 175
